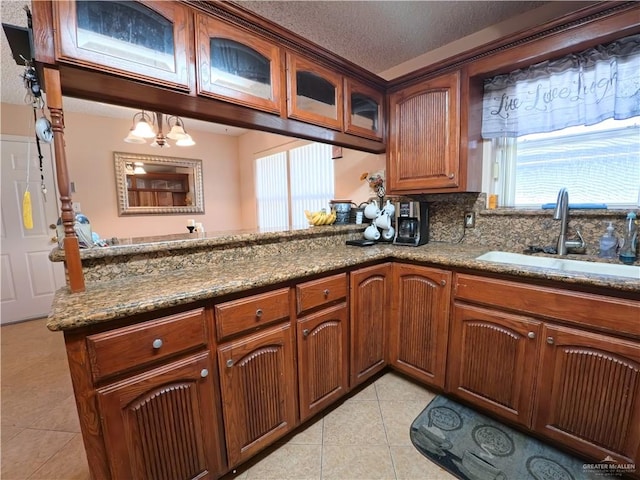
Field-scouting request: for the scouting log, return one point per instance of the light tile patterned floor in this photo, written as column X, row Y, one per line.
column 365, row 438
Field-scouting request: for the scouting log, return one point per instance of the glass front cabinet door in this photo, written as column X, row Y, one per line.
column 147, row 40
column 238, row 66
column 314, row 93
column 362, row 110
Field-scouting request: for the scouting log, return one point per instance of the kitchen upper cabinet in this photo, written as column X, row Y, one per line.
column 419, row 323
column 492, row 360
column 238, row 66
column 369, row 314
column 314, row 93
column 145, row 40
column 588, row 393
column 161, row 424
column 429, row 142
column 258, row 387
column 363, row 110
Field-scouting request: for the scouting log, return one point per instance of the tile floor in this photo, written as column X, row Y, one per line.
column 365, row 438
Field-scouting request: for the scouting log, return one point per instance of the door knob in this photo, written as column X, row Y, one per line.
column 550, row 340
column 531, row 334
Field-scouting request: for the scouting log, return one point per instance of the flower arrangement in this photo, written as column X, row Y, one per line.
column 376, row 182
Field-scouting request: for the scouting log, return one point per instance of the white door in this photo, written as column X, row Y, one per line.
column 29, row 278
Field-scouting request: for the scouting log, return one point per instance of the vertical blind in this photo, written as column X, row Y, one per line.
column 290, row 182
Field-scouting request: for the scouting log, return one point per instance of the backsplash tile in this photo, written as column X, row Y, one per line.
column 511, row 229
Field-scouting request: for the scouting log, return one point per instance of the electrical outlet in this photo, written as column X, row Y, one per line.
column 76, row 207
column 469, row 219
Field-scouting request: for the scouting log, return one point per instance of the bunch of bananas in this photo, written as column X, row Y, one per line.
column 321, row 217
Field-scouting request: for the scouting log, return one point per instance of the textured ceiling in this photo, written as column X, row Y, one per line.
column 376, row 35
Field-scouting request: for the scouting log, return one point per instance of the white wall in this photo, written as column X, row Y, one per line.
column 90, row 143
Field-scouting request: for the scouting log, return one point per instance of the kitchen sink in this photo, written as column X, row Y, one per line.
column 562, row 264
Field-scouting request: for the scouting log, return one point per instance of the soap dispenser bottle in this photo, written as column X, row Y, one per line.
column 608, row 244
column 628, row 249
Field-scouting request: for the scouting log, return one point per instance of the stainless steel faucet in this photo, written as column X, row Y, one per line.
column 561, row 213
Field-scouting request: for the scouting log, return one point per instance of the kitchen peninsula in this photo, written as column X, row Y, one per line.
column 212, row 329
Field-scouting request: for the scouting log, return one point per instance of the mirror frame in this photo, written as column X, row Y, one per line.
column 122, row 158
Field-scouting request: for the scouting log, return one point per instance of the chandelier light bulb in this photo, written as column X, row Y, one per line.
column 132, row 138
column 185, row 141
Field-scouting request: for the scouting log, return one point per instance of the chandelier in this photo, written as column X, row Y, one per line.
column 144, row 127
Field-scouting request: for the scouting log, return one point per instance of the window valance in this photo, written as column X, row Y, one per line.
column 579, row 89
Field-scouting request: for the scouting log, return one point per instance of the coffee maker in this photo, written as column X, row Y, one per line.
column 412, row 223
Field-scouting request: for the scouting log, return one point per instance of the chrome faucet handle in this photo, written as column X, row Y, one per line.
column 576, row 246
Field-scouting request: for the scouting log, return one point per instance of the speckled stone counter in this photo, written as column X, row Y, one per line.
column 129, row 295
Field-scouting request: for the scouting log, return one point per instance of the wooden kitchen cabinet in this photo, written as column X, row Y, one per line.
column 363, row 110
column 323, row 358
column 238, row 66
column 369, row 290
column 161, row 424
column 492, row 360
column 314, row 93
column 588, row 393
column 146, row 40
column 543, row 357
column 258, row 388
column 430, row 145
column 419, row 323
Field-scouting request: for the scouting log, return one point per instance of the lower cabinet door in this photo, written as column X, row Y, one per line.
column 589, row 393
column 258, row 387
column 323, row 359
column 492, row 360
column 419, row 324
column 161, row 424
column 369, row 305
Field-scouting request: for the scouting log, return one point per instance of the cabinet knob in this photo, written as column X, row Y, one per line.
column 305, row 332
column 259, row 312
column 443, row 283
column 157, row 343
column 229, row 363
column 326, row 292
column 531, row 334
column 204, row 372
column 451, row 175
column 550, row 340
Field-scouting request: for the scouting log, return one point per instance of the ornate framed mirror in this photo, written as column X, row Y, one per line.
column 154, row 185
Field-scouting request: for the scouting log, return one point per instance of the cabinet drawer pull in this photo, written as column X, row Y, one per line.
column 451, row 175
column 550, row 340
column 229, row 363
column 305, row 332
column 204, row 372
column 259, row 312
column 531, row 334
column 443, row 283
column 157, row 343
column 326, row 292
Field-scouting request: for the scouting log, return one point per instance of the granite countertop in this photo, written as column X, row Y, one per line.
column 114, row 299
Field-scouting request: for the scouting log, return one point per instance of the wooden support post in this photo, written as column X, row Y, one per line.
column 53, row 87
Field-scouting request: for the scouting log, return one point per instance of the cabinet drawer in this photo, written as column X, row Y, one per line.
column 584, row 309
column 129, row 347
column 251, row 312
column 315, row 293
